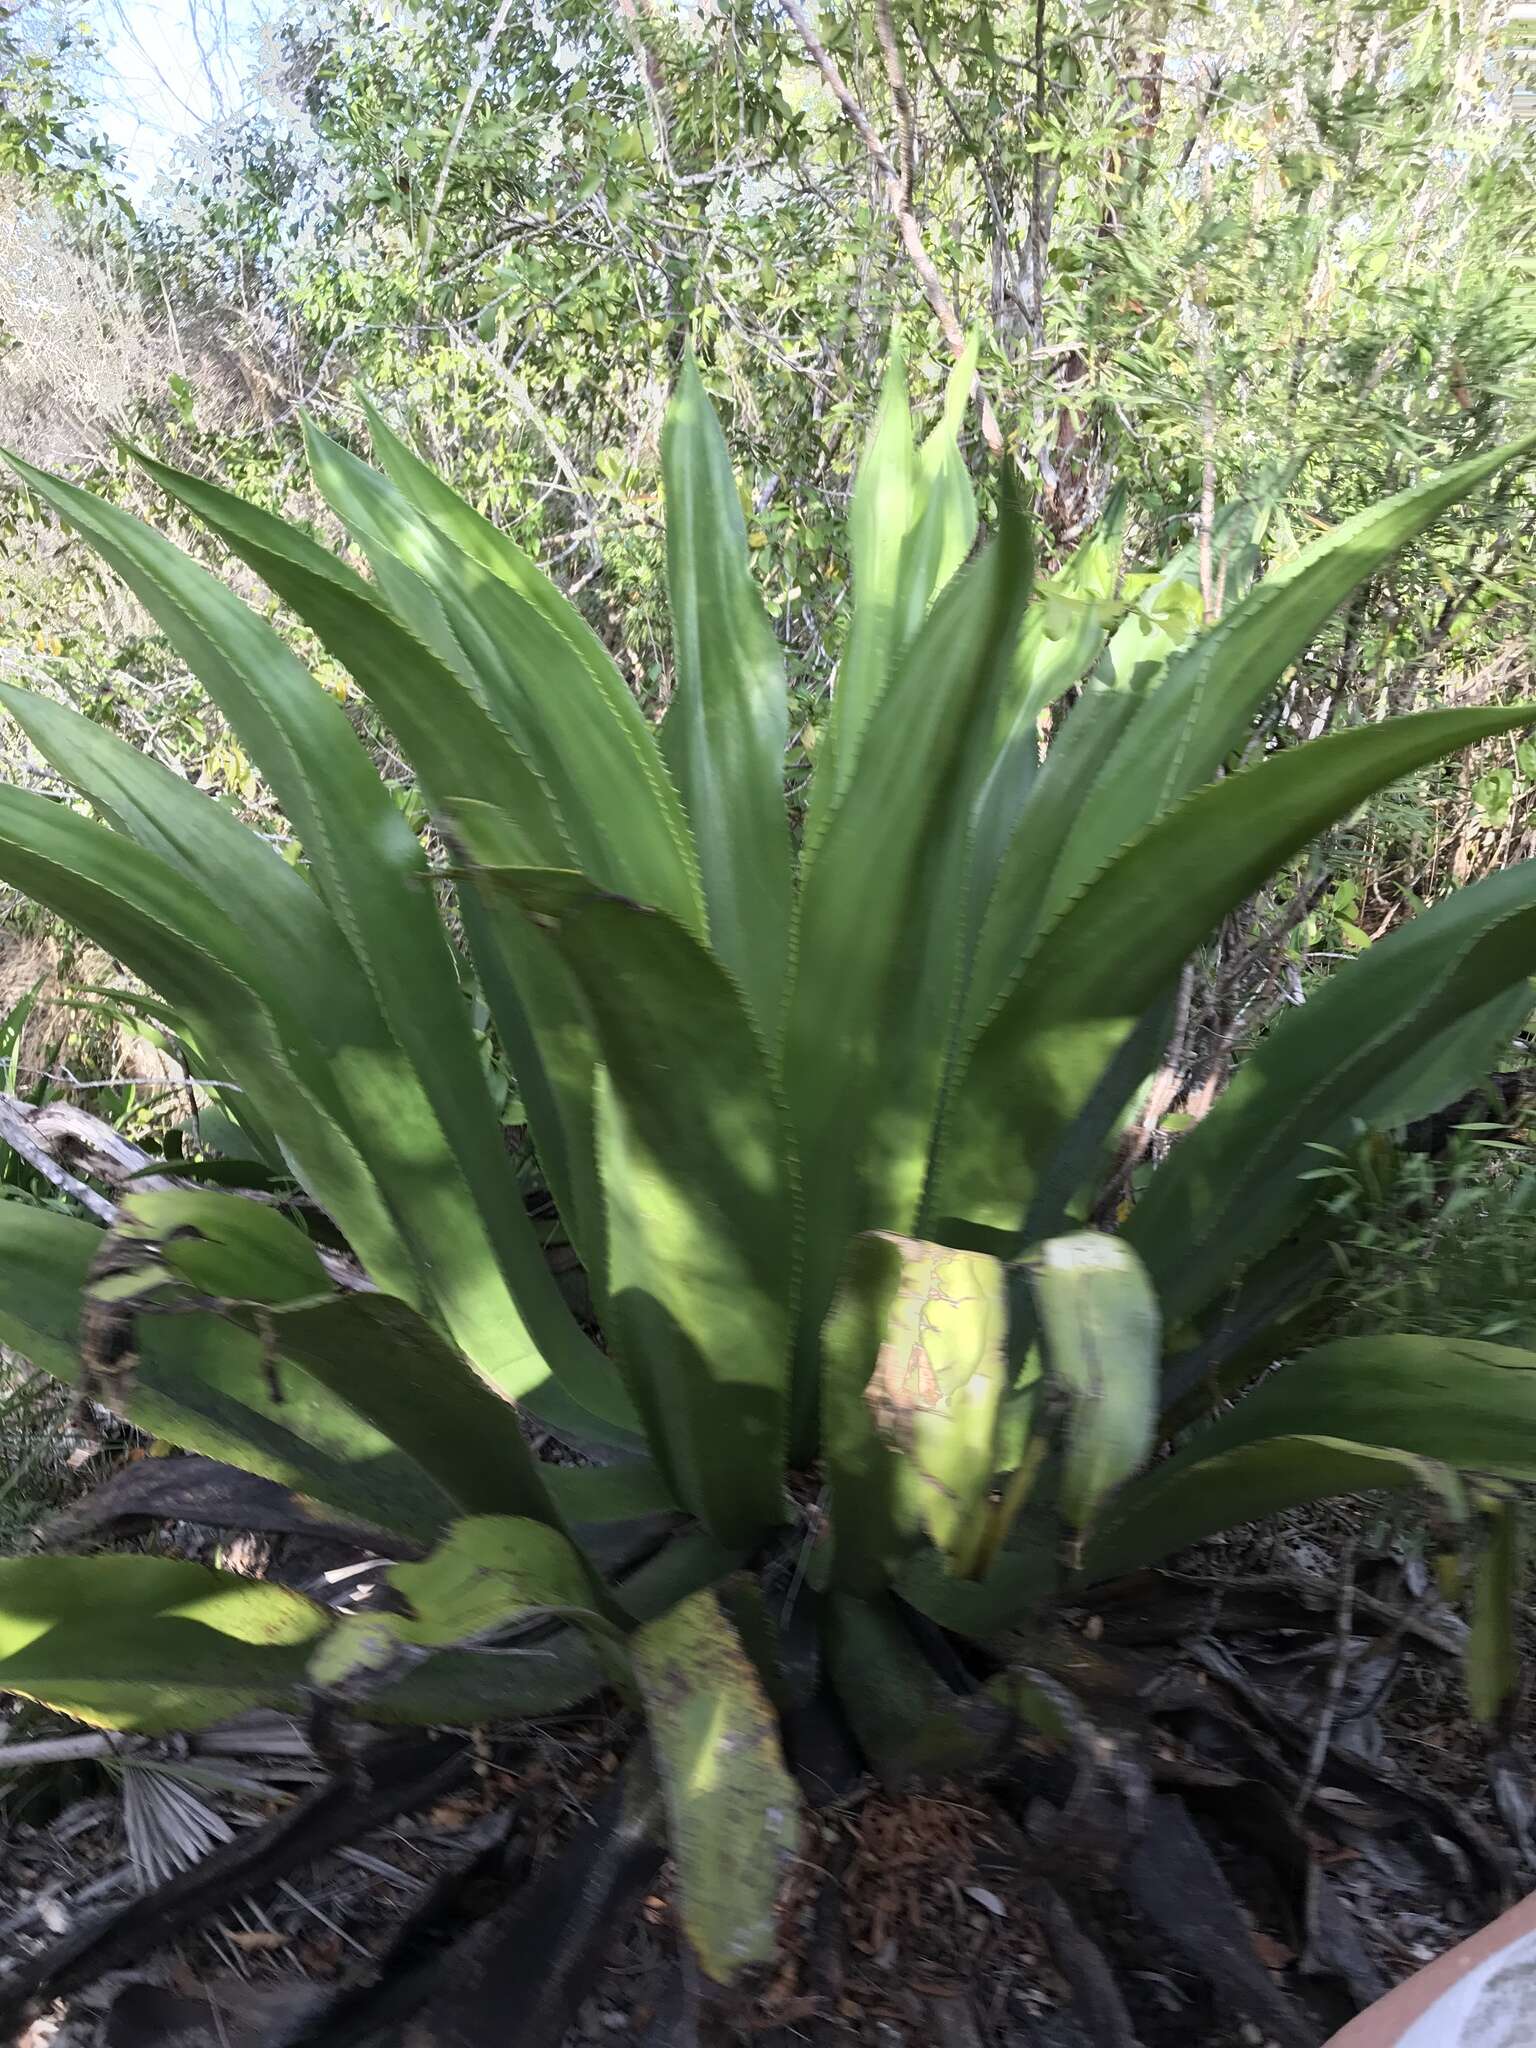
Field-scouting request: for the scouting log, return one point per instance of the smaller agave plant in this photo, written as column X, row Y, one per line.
column 825, row 1112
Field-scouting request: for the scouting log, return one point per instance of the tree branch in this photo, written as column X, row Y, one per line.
column 901, row 210
column 476, row 87
column 901, row 98
column 16, row 1131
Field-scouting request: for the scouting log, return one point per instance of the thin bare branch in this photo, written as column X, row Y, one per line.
column 476, row 87
column 16, row 1131
column 901, row 99
column 907, row 224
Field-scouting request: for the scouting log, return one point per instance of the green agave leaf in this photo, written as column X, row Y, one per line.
column 882, row 1496
column 909, row 1724
column 148, row 1643
column 1044, row 667
column 465, row 1687
column 1273, row 1310
column 1014, row 913
column 727, row 727
column 1101, row 1330
column 1435, row 1402
column 374, row 877
column 391, row 1368
column 911, row 524
column 1207, row 696
column 1493, row 1653
column 491, row 1570
column 1234, row 1487
column 557, row 1671
column 1040, row 1053
column 870, row 1521
column 458, row 750
column 452, row 741
column 1231, row 1188
column 1451, row 1063
column 690, row 1563
column 881, row 513
column 205, row 1384
column 701, row 1194
column 546, row 1032
column 527, row 654
column 1018, row 1584
column 1074, row 1170
column 621, row 1492
column 334, row 1046
column 171, row 933
column 1167, row 605
column 226, row 1246
column 1471, row 1405
column 1056, row 652
column 732, row 1807
column 945, row 529
column 879, row 945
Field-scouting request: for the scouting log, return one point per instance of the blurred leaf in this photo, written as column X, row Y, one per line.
column 149, row 1643
column 225, row 1246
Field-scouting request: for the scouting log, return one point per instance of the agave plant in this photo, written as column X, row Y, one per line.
column 826, row 1123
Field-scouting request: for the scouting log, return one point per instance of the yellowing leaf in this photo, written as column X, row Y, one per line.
column 732, row 1806
column 938, row 1385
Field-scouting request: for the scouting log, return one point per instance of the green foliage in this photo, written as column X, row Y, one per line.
column 42, row 112
column 826, row 1137
column 1441, row 1244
